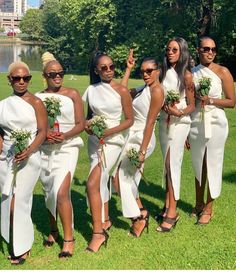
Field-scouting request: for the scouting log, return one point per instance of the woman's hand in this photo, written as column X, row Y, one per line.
column 204, row 99
column 49, row 137
column 131, row 61
column 59, row 137
column 87, row 127
column 172, row 110
column 25, row 154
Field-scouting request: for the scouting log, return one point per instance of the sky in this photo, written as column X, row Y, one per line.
column 33, row 3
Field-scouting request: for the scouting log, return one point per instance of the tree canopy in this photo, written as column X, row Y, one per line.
column 73, row 29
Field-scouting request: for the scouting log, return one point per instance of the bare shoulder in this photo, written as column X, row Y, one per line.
column 71, row 93
column 223, row 72
column 188, row 76
column 157, row 89
column 122, row 90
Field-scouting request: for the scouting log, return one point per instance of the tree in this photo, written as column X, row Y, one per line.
column 31, row 24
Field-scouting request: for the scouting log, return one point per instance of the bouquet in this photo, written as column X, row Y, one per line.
column 133, row 156
column 21, row 140
column 203, row 90
column 172, row 98
column 98, row 126
column 52, row 105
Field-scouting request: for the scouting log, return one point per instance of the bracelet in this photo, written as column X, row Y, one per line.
column 143, row 152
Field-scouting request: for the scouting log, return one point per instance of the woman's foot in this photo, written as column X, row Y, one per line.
column 52, row 238
column 197, row 210
column 98, row 239
column 107, row 225
column 139, row 224
column 19, row 260
column 168, row 224
column 67, row 249
column 205, row 217
column 162, row 215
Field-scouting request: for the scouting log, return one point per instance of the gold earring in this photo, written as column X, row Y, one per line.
column 44, row 83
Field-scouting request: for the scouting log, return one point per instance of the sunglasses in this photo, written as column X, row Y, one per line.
column 54, row 74
column 147, row 71
column 208, row 49
column 105, row 68
column 17, row 78
column 173, row 50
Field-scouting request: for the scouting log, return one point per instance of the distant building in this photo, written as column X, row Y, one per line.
column 11, row 12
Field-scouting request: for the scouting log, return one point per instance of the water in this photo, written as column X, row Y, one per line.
column 30, row 54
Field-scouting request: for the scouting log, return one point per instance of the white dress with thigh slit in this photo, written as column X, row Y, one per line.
column 16, row 114
column 174, row 134
column 208, row 134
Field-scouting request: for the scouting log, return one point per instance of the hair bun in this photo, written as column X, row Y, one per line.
column 47, row 57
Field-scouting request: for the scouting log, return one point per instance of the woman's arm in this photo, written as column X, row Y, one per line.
column 157, row 99
column 41, row 117
column 127, row 107
column 228, row 88
column 1, row 139
column 79, row 118
column 129, row 66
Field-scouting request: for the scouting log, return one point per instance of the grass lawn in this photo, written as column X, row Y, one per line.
column 187, row 247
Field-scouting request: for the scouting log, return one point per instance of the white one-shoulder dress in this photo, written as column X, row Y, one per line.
column 59, row 159
column 173, row 136
column 129, row 176
column 208, row 134
column 16, row 113
column 104, row 100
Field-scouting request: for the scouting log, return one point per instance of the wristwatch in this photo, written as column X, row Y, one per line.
column 211, row 101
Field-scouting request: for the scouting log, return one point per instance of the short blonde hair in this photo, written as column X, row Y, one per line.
column 17, row 64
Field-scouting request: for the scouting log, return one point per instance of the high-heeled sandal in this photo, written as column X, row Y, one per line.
column 160, row 216
column 109, row 227
column 196, row 211
column 19, row 260
column 204, row 214
column 140, row 218
column 48, row 243
column 171, row 221
column 105, row 234
column 66, row 254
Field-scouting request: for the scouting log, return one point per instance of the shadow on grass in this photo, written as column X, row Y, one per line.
column 230, row 177
column 157, row 191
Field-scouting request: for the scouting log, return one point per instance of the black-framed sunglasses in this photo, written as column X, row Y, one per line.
column 208, row 49
column 18, row 78
column 105, row 68
column 173, row 50
column 54, row 74
column 147, row 71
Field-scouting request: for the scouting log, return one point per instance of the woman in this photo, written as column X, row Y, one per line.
column 174, row 124
column 108, row 98
column 60, row 152
column 208, row 134
column 19, row 172
column 147, row 103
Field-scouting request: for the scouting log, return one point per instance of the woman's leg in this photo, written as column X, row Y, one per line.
column 95, row 202
column 65, row 211
column 52, row 237
column 171, row 212
column 200, row 189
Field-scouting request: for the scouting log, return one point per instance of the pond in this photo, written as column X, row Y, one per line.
column 30, row 54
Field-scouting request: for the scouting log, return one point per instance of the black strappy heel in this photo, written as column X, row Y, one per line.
column 48, row 243
column 105, row 234
column 140, row 218
column 66, row 254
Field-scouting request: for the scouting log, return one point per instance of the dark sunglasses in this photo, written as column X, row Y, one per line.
column 173, row 50
column 54, row 74
column 17, row 78
column 105, row 68
column 208, row 49
column 147, row 71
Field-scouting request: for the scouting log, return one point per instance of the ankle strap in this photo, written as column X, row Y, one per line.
column 69, row 241
column 104, row 233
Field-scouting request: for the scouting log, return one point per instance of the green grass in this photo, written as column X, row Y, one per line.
column 187, row 247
